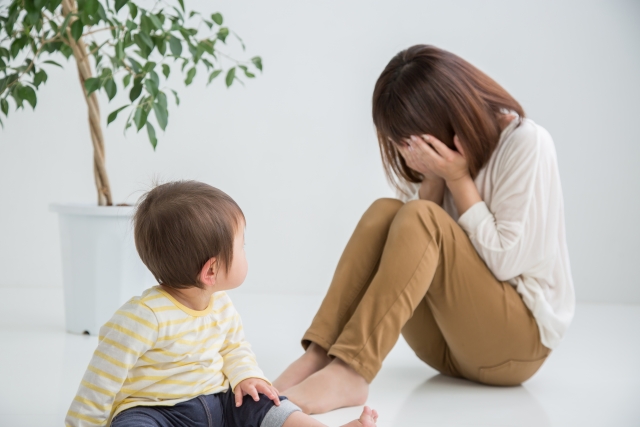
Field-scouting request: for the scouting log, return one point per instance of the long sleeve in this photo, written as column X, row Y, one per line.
column 129, row 334
column 511, row 232
column 239, row 361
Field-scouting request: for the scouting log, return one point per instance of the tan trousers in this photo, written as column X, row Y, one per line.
column 410, row 269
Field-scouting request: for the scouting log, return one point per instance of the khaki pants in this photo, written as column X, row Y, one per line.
column 410, row 269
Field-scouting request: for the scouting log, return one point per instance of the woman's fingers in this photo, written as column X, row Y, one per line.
column 437, row 145
column 456, row 142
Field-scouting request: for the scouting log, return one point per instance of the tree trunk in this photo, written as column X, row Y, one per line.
column 81, row 56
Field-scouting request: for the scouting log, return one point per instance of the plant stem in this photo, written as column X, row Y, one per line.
column 84, row 72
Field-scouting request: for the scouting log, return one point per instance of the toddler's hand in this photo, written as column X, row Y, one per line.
column 253, row 386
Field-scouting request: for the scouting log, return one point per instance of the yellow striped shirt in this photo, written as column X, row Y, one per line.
column 156, row 351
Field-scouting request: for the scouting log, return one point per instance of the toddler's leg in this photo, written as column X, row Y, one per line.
column 368, row 418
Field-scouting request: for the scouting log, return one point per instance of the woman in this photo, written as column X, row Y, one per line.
column 473, row 270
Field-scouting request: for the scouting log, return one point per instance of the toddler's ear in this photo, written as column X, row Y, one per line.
column 209, row 272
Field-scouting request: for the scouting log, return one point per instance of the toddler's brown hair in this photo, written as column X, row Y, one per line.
column 180, row 225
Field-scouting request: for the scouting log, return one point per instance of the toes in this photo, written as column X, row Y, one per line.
column 366, row 413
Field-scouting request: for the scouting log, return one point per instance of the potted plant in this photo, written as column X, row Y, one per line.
column 117, row 45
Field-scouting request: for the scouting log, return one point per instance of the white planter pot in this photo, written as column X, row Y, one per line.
column 101, row 269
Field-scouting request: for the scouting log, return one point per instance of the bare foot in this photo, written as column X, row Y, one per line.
column 335, row 386
column 314, row 359
column 368, row 418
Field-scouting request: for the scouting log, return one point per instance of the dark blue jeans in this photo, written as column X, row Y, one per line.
column 213, row 410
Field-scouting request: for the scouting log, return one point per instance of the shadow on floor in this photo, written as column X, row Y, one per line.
column 446, row 401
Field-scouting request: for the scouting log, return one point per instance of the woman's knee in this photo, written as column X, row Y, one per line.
column 416, row 211
column 381, row 212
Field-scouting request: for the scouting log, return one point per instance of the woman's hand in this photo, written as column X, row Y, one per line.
column 432, row 158
column 428, row 155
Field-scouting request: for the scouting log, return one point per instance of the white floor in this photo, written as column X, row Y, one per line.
column 593, row 379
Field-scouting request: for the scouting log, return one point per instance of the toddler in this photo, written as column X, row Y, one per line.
column 176, row 356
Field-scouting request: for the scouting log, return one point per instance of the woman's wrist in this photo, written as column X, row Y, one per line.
column 465, row 193
column 432, row 188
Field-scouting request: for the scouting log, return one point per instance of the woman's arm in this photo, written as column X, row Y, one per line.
column 465, row 193
column 432, row 189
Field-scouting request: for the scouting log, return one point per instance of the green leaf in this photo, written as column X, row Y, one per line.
column 135, row 65
column 120, row 4
column 149, row 66
column 40, row 77
column 111, row 88
column 52, row 63
column 161, row 43
column 119, row 50
column 147, row 40
column 4, row 106
column 102, row 14
column 223, row 33
column 152, row 135
column 231, row 75
column 136, row 90
column 140, row 117
column 190, row 75
column 76, row 29
column 162, row 115
column 207, row 63
column 175, row 94
column 91, row 6
column 162, row 99
column 65, row 23
column 131, row 25
column 28, row 94
column 16, row 93
column 126, row 80
column 217, row 18
column 257, row 61
column 213, row 75
column 145, row 23
column 154, row 77
column 133, row 10
column 175, row 45
column 114, row 114
column 53, row 5
column 17, row 45
column 207, row 46
column 66, row 51
column 166, row 70
column 91, row 85
column 156, row 22
column 152, row 86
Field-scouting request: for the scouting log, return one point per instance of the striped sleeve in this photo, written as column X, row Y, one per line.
column 123, row 339
column 239, row 362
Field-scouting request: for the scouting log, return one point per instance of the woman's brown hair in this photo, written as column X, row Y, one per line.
column 427, row 90
column 179, row 226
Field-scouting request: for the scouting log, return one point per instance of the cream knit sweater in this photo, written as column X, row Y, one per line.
column 518, row 229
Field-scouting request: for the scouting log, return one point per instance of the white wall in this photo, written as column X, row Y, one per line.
column 296, row 147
